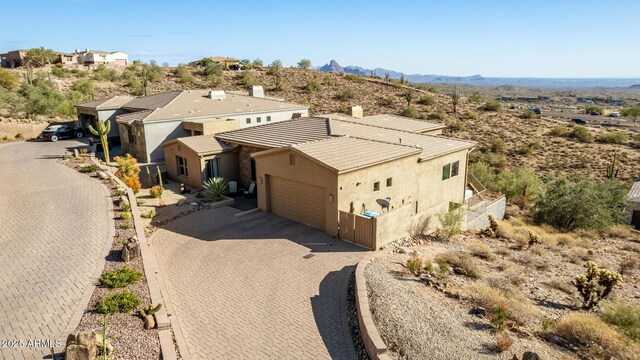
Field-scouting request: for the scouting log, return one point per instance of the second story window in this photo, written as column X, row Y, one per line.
column 268, row 118
column 258, row 119
column 182, row 166
column 248, row 121
column 450, row 170
column 376, row 186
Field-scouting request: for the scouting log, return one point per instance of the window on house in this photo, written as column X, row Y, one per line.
column 182, row 166
column 389, row 182
column 455, row 168
column 132, row 137
column 446, row 172
column 292, row 159
column 258, row 119
column 248, row 121
column 376, row 186
column 268, row 118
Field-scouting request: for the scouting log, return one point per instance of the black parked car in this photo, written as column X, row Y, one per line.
column 57, row 132
column 579, row 121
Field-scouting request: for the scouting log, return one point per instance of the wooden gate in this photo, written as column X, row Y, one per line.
column 360, row 230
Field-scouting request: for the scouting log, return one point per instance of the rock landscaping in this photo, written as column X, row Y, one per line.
column 519, row 294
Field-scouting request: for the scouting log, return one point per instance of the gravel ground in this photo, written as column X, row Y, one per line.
column 418, row 322
column 126, row 331
column 354, row 326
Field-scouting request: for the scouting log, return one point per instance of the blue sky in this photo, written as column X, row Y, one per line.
column 492, row 38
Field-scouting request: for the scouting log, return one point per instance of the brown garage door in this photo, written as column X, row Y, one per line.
column 297, row 201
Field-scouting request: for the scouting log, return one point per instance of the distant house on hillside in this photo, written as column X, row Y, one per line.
column 226, row 63
column 13, row 59
column 91, row 57
column 142, row 124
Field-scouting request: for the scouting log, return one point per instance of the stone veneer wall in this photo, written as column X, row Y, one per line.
column 244, row 159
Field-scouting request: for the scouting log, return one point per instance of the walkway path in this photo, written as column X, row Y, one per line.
column 54, row 226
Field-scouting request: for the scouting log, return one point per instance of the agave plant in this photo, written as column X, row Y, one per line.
column 215, row 187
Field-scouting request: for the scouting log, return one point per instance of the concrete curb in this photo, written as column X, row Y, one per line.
column 150, row 265
column 88, row 292
column 373, row 343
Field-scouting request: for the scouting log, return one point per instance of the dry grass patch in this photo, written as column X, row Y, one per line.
column 564, row 286
column 625, row 318
column 593, row 335
column 481, row 250
column 519, row 309
column 619, row 232
column 463, row 262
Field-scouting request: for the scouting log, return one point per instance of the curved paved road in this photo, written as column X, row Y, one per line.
column 256, row 287
column 54, row 226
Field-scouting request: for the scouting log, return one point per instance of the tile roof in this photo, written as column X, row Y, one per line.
column 134, row 116
column 634, row 193
column 333, row 152
column 394, row 122
column 201, row 144
column 432, row 146
column 279, row 134
column 114, row 102
column 153, row 101
column 301, row 130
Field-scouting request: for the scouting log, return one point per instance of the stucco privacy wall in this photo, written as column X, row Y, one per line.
column 480, row 219
column 304, row 171
column 28, row 131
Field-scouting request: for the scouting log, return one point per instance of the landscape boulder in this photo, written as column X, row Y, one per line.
column 84, row 346
column 103, row 175
column 131, row 249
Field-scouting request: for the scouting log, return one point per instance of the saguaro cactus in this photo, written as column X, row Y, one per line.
column 104, row 127
column 612, row 169
column 455, row 99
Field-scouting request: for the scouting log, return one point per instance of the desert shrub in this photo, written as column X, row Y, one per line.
column 483, row 172
column 139, row 202
column 593, row 107
column 387, row 100
column 503, row 342
column 149, row 214
column 596, row 284
column 519, row 183
column 84, row 86
column 353, row 77
column 496, row 144
column 183, row 74
column 527, row 114
column 304, row 64
column 313, row 85
column 122, row 302
column 103, row 73
column 464, row 262
column 475, row 98
column 91, row 168
column 59, row 72
column 580, row 204
column 591, row 333
column 426, row 100
column 346, row 94
column 614, row 137
column 626, row 318
column 497, row 161
column 215, row 187
column 581, row 134
column 492, row 105
column 247, row 78
column 530, row 147
column 456, row 125
column 120, row 278
column 125, row 215
column 125, row 206
column 481, row 250
column 20, row 136
column 451, row 222
column 438, row 115
column 128, row 171
column 519, row 309
column 410, row 111
column 560, row 131
column 156, row 191
column 415, row 264
column 472, row 114
column 499, row 318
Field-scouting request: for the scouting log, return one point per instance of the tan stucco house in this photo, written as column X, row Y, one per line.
column 143, row 124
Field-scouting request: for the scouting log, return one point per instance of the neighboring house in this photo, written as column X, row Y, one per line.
column 104, row 110
column 226, row 63
column 91, row 57
column 633, row 206
column 13, row 59
column 145, row 123
column 67, row 59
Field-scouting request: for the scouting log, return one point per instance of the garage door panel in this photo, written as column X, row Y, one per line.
column 297, row 201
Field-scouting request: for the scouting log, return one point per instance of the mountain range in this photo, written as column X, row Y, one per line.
column 480, row 80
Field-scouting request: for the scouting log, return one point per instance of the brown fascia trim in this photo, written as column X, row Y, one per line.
column 468, row 148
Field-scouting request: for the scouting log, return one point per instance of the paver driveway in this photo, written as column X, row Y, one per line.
column 54, row 225
column 257, row 287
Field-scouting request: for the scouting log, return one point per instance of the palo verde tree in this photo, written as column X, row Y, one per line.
column 39, row 57
column 304, row 64
column 455, row 99
column 633, row 113
column 102, row 130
